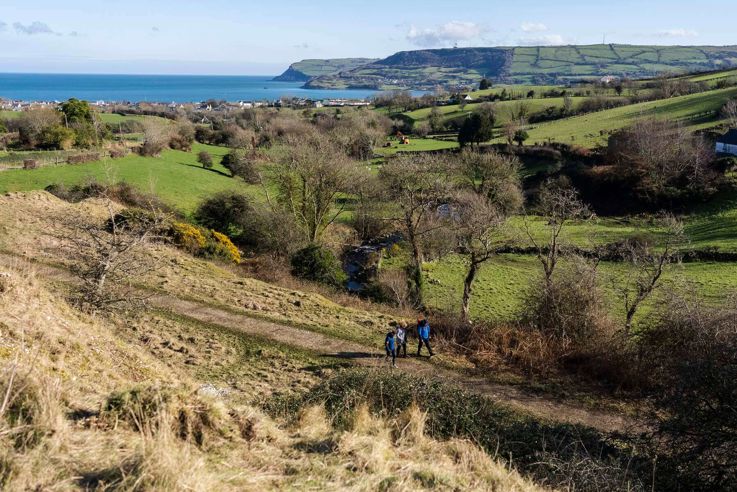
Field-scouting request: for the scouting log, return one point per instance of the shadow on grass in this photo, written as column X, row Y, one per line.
column 205, row 169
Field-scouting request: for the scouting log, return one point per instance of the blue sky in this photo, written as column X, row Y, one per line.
column 263, row 37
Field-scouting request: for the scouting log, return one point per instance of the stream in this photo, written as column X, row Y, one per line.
column 362, row 263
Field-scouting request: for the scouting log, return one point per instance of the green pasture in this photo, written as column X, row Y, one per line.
column 415, row 145
column 697, row 111
column 175, row 176
column 502, row 284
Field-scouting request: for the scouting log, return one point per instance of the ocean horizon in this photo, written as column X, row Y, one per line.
column 160, row 88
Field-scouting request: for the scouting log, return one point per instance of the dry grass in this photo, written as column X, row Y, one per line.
column 90, row 408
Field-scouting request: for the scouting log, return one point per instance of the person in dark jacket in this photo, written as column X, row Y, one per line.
column 390, row 346
column 423, row 333
column 401, row 337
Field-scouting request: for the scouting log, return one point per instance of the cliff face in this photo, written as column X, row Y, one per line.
column 292, row 75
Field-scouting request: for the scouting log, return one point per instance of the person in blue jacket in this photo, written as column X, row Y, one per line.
column 423, row 333
column 390, row 346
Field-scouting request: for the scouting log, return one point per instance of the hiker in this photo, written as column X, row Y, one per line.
column 402, row 338
column 423, row 333
column 389, row 344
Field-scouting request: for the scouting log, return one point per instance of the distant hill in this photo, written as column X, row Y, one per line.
column 307, row 69
column 428, row 69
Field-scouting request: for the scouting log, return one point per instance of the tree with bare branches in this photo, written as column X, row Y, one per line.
column 559, row 204
column 417, row 184
column 729, row 111
column 106, row 254
column 490, row 192
column 309, row 180
column 648, row 260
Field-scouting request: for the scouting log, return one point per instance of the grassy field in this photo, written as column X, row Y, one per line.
column 7, row 115
column 175, row 176
column 503, row 109
column 500, row 288
column 697, row 111
column 114, row 118
column 416, row 145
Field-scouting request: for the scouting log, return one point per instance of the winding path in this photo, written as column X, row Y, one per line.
column 542, row 406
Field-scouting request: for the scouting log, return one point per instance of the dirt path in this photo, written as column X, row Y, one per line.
column 540, row 406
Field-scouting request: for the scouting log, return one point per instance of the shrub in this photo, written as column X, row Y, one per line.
column 57, row 137
column 83, row 158
column 188, row 237
column 118, row 152
column 220, row 246
column 239, row 164
column 454, row 412
column 203, row 242
column 205, row 159
column 227, row 211
column 183, row 136
column 259, row 229
column 692, row 354
column 318, row 264
column 569, row 307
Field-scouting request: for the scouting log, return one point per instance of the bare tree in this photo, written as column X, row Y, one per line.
column 490, row 192
column 309, row 179
column 729, row 111
column 417, row 184
column 156, row 136
column 559, row 205
column 664, row 159
column 106, row 256
column 477, row 231
column 396, row 286
column 647, row 263
column 494, row 175
column 510, row 130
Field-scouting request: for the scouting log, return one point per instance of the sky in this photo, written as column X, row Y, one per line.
column 263, row 37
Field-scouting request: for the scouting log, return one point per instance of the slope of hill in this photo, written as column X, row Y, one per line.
column 428, row 69
column 305, row 70
column 152, row 400
column 695, row 111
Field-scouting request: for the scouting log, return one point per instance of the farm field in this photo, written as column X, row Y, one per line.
column 593, row 128
column 503, row 109
column 502, row 283
column 416, row 145
column 115, row 118
column 175, row 176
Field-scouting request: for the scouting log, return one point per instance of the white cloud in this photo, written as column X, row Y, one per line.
column 546, row 40
column 303, row 46
column 448, row 33
column 3, row 26
column 35, row 27
column 533, row 27
column 155, row 29
column 677, row 33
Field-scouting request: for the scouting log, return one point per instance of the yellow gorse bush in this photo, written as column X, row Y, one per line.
column 188, row 237
column 203, row 242
column 224, row 247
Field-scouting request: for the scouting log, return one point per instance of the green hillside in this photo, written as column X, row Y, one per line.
column 428, row 69
column 697, row 111
column 305, row 70
column 175, row 176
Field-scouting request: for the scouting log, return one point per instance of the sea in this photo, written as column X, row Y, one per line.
column 160, row 88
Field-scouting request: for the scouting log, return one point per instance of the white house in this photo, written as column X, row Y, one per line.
column 727, row 143
column 609, row 79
